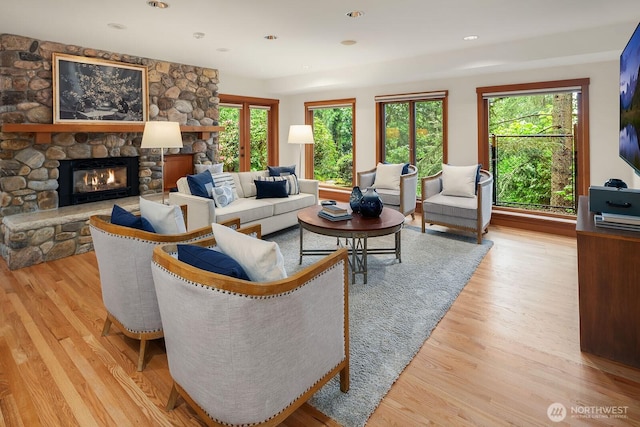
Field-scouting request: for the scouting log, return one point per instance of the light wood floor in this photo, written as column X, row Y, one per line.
column 507, row 349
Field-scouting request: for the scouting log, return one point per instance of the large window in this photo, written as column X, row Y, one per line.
column 533, row 141
column 412, row 129
column 333, row 151
column 249, row 140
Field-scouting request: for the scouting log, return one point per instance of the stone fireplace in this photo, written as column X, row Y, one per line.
column 31, row 163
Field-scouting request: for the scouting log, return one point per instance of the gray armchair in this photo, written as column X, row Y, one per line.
column 466, row 213
column 246, row 353
column 124, row 263
column 402, row 199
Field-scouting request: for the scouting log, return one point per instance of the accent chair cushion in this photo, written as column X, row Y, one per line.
column 260, row 259
column 271, row 189
column 388, row 176
column 211, row 260
column 213, row 169
column 459, row 181
column 201, row 184
column 222, row 196
column 120, row 216
column 281, row 170
column 165, row 219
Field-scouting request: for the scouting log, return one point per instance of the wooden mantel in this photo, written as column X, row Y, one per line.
column 43, row 132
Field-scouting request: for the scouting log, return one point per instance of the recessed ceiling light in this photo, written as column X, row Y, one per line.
column 158, row 4
column 472, row 37
column 116, row 26
column 355, row 14
column 222, row 49
column 270, row 37
column 198, row 35
column 348, row 42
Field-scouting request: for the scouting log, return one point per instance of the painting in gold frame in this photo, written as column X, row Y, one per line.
column 92, row 90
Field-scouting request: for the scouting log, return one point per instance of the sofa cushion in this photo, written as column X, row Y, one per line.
column 271, row 189
column 388, row 176
column 225, row 178
column 451, row 206
column 459, row 181
column 201, row 184
column 291, row 180
column 292, row 203
column 120, row 216
column 261, row 259
column 246, row 182
column 213, row 169
column 211, row 260
column 165, row 219
column 281, row 170
column 222, row 195
column 247, row 209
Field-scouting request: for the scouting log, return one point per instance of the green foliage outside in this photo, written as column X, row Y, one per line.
column 521, row 130
column 428, row 135
column 229, row 140
column 333, row 146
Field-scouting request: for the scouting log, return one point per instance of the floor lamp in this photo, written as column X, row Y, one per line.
column 301, row 135
column 161, row 135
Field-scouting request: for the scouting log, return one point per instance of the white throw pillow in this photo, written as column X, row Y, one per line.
column 214, row 168
column 388, row 176
column 292, row 182
column 459, row 180
column 222, row 179
column 222, row 196
column 165, row 219
column 260, row 259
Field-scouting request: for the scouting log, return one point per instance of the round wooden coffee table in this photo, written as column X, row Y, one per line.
column 355, row 233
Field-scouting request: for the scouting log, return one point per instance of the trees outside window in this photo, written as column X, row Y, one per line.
column 333, row 151
column 249, row 140
column 533, row 145
column 412, row 129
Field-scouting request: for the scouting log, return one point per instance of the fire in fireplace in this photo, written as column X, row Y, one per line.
column 91, row 180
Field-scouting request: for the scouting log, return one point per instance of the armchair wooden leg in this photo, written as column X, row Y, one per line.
column 106, row 327
column 344, row 379
column 173, row 397
column 143, row 348
column 479, row 234
column 423, row 229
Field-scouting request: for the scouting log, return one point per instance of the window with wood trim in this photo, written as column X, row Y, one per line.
column 534, row 139
column 331, row 159
column 412, row 128
column 250, row 138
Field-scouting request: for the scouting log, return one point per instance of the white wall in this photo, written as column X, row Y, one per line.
column 462, row 126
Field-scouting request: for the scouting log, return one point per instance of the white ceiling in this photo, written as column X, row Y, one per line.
column 399, row 40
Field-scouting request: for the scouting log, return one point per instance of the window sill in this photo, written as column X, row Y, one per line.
column 553, row 224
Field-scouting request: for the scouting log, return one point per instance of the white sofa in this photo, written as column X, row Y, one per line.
column 272, row 214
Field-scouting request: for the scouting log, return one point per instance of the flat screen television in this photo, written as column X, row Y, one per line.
column 629, row 149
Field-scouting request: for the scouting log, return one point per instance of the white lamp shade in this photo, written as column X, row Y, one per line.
column 161, row 135
column 300, row 134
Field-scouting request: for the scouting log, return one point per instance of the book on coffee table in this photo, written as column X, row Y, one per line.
column 334, row 210
column 333, row 217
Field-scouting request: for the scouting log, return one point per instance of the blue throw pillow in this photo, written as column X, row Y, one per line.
column 201, row 184
column 270, row 189
column 211, row 260
column 120, row 216
column 281, row 170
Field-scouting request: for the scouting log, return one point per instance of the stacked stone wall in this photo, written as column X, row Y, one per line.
column 29, row 171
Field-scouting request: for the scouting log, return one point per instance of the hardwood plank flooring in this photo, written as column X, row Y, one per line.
column 506, row 350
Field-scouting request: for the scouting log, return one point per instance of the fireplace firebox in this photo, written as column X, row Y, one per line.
column 93, row 180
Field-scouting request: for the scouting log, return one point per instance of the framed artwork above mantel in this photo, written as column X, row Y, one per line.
column 92, row 90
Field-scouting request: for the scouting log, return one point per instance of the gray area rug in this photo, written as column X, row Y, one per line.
column 393, row 314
